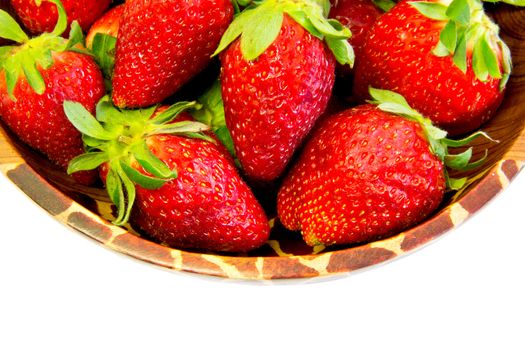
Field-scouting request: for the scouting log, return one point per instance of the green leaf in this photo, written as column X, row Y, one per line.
column 236, row 28
column 449, row 37
column 491, row 60
column 300, row 16
column 255, row 41
column 91, row 142
column 330, row 29
column 506, row 63
column 76, row 36
column 178, row 128
column 87, row 161
column 465, row 141
column 459, row 11
column 385, row 5
column 10, row 29
column 383, row 96
column 476, row 164
column 433, row 10
column 460, row 55
column 212, row 114
column 85, row 122
column 116, row 193
column 61, row 24
column 151, row 163
column 441, row 50
column 325, row 7
column 106, row 112
column 479, row 64
column 342, row 50
column 200, row 136
column 435, row 132
column 11, row 78
column 131, row 194
column 212, row 111
column 458, row 161
column 33, row 76
column 396, row 108
column 456, row 184
column 4, row 51
column 144, row 181
column 173, row 112
column 103, row 48
column 223, row 134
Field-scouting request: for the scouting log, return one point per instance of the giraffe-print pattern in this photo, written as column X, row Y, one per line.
column 283, row 265
column 285, row 257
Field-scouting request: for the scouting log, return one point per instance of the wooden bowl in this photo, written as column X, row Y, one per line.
column 88, row 210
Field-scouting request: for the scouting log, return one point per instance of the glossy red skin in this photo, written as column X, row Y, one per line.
column 108, row 24
column 364, row 175
column 207, row 206
column 43, row 18
column 358, row 16
column 397, row 56
column 162, row 44
column 272, row 103
column 40, row 121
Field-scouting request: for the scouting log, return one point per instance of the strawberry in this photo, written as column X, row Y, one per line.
column 36, row 77
column 163, row 44
column 368, row 173
column 277, row 79
column 358, row 16
column 40, row 16
column 108, row 24
column 445, row 57
column 169, row 179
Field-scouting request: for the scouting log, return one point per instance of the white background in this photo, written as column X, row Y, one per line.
column 59, row 290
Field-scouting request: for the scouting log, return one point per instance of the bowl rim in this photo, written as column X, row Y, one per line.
column 323, row 264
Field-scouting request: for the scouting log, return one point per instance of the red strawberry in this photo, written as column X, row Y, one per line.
column 162, row 44
column 185, row 191
column 457, row 81
column 367, row 173
column 277, row 79
column 108, row 24
column 35, row 79
column 40, row 16
column 358, row 16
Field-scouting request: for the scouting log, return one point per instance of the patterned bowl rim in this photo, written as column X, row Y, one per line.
column 324, row 264
column 331, row 263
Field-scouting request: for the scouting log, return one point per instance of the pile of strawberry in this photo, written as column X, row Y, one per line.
column 179, row 171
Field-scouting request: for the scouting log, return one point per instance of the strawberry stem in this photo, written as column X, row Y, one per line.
column 468, row 30
column 118, row 138
column 259, row 25
column 439, row 144
column 35, row 54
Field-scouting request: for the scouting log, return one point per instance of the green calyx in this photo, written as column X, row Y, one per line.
column 103, row 51
column 468, row 29
column 26, row 58
column 439, row 144
column 260, row 23
column 212, row 114
column 120, row 139
column 385, row 5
